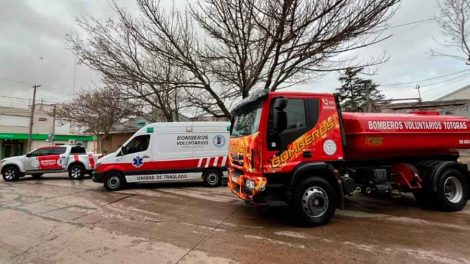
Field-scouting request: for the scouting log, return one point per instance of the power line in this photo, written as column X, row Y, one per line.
column 429, row 19
column 12, row 80
column 24, row 99
column 425, row 80
column 457, row 78
column 17, row 98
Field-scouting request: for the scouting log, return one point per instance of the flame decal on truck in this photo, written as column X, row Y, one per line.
column 313, row 136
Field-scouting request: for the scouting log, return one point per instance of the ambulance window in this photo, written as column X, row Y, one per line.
column 137, row 144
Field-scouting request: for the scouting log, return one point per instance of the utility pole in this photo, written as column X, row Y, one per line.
column 419, row 92
column 31, row 118
column 53, row 123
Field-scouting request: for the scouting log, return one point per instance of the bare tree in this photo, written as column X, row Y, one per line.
column 112, row 50
column 220, row 50
column 98, row 111
column 455, row 25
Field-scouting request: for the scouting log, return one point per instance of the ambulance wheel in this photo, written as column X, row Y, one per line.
column 452, row 191
column 314, row 202
column 212, row 178
column 76, row 171
column 114, row 181
column 36, row 175
column 10, row 173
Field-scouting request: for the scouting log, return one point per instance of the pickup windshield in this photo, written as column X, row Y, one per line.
column 246, row 122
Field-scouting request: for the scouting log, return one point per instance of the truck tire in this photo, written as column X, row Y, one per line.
column 212, row 178
column 314, row 202
column 114, row 181
column 452, row 191
column 10, row 173
column 36, row 175
column 76, row 171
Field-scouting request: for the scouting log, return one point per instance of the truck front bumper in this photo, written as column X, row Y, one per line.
column 251, row 189
column 97, row 176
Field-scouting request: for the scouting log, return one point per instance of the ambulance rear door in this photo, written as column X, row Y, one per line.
column 213, row 152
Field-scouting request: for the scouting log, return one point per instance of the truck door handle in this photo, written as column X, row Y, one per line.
column 145, row 157
column 307, row 154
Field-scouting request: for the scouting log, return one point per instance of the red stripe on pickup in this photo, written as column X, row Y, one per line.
column 91, row 159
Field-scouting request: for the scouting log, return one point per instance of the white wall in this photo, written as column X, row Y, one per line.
column 9, row 120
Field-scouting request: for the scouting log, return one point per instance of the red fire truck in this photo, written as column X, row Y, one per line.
column 300, row 149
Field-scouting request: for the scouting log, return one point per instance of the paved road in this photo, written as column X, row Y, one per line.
column 55, row 219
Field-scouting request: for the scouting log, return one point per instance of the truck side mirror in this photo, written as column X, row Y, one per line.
column 280, row 116
column 230, row 127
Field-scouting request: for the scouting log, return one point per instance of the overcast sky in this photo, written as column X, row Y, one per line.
column 33, row 50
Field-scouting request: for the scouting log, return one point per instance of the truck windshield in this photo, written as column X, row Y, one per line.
column 246, row 122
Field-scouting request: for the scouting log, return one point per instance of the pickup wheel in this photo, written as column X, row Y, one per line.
column 452, row 191
column 114, row 181
column 10, row 173
column 314, row 202
column 76, row 171
column 212, row 178
column 36, row 175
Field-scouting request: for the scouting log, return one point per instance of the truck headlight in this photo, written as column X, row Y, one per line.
column 249, row 185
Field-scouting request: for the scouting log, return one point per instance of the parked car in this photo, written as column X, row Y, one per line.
column 163, row 152
column 51, row 159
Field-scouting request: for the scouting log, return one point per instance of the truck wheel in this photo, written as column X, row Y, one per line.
column 114, row 181
column 76, row 172
column 10, row 173
column 37, row 175
column 212, row 178
column 314, row 202
column 452, row 191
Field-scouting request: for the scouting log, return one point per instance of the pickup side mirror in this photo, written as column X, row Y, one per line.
column 280, row 116
column 28, row 155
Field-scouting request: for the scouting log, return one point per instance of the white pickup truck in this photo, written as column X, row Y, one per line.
column 51, row 159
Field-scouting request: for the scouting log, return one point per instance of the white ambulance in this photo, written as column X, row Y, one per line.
column 166, row 152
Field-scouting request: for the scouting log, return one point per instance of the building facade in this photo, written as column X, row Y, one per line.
column 14, row 131
column 462, row 93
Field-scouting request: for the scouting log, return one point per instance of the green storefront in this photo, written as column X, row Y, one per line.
column 14, row 144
